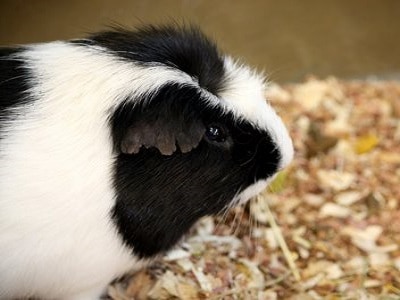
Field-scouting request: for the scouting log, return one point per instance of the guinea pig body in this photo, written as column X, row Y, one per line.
column 112, row 147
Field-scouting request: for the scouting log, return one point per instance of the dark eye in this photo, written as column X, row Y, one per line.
column 215, row 134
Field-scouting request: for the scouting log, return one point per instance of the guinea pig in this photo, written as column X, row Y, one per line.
column 112, row 147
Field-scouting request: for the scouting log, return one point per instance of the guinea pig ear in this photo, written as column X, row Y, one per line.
column 163, row 134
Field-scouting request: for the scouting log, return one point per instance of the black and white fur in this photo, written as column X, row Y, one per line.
column 112, row 147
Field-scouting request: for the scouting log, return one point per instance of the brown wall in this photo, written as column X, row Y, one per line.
column 289, row 38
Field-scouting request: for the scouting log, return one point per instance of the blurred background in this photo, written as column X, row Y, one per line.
column 288, row 39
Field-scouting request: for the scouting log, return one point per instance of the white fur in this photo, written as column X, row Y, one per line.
column 56, row 168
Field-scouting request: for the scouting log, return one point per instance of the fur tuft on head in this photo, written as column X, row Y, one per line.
column 184, row 48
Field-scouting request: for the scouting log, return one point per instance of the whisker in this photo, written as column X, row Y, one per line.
column 231, row 228
column 8, row 58
column 250, row 225
column 256, row 238
column 12, row 78
column 240, row 221
column 223, row 218
column 227, row 208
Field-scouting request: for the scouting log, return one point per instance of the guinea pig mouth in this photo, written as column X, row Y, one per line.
column 251, row 191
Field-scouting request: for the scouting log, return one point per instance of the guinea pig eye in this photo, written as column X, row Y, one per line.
column 215, row 134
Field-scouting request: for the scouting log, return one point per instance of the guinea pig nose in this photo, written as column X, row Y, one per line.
column 283, row 143
column 287, row 154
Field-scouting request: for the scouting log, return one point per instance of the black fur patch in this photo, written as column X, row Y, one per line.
column 186, row 49
column 14, row 79
column 159, row 197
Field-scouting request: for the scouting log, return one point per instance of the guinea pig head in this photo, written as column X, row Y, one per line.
column 188, row 148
